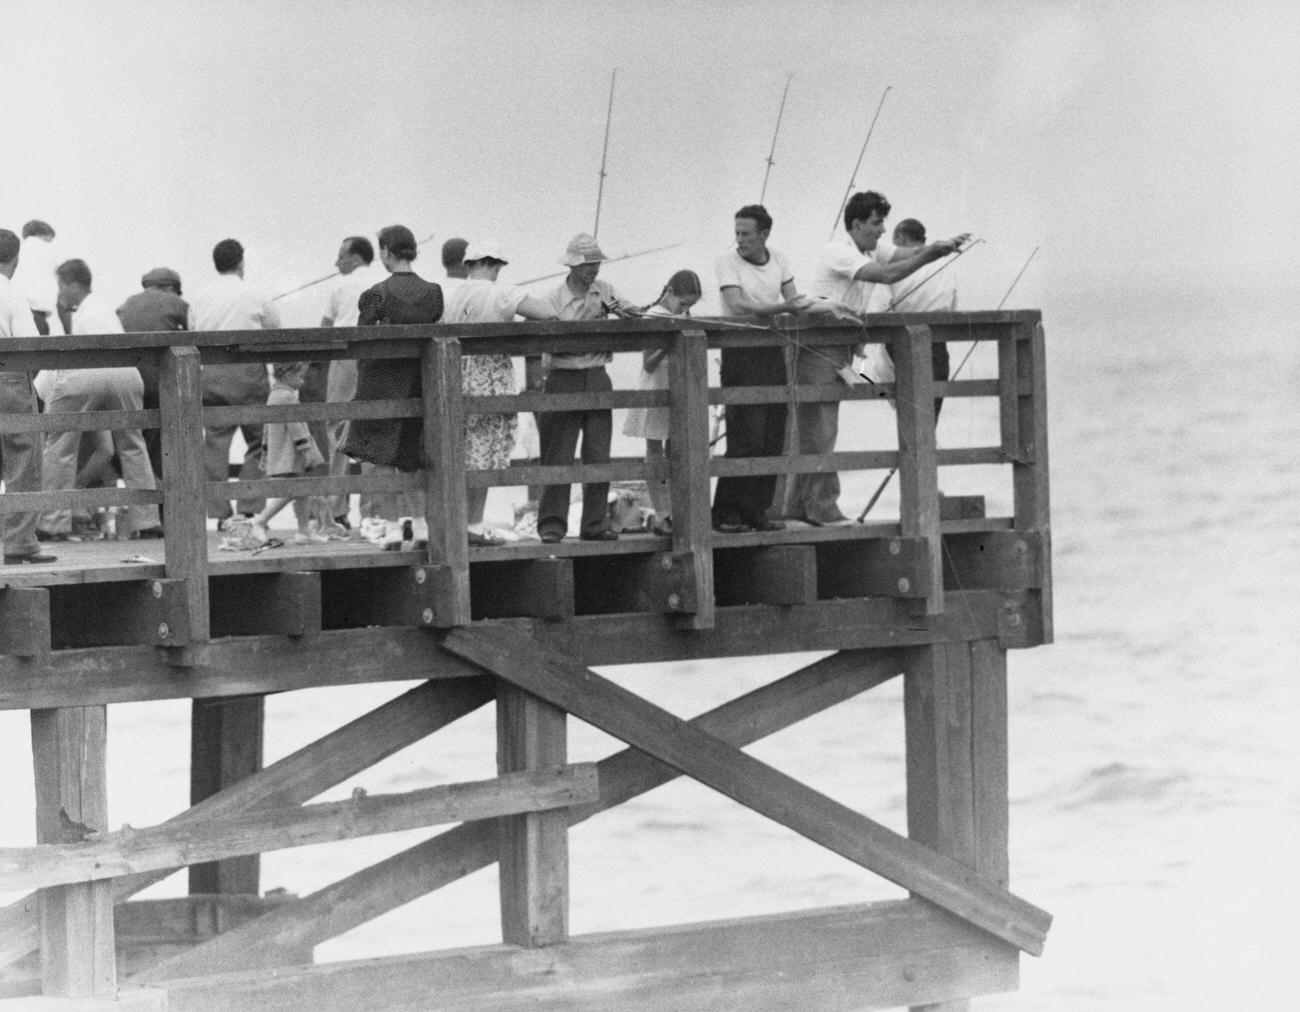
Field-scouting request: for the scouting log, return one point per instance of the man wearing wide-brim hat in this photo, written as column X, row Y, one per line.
column 158, row 306
column 580, row 296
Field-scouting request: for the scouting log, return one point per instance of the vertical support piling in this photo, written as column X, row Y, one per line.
column 534, row 848
column 918, row 472
column 688, row 466
column 225, row 747
column 955, row 712
column 78, row 957
column 1029, row 474
column 444, row 452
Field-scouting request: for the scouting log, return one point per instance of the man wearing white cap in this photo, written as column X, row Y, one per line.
column 580, row 296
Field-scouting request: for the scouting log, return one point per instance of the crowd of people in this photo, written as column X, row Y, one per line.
column 857, row 272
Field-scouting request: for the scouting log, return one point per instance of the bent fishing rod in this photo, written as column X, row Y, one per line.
column 853, row 178
column 327, row 277
column 604, row 154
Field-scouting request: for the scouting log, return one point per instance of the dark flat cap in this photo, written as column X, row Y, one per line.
column 160, row 277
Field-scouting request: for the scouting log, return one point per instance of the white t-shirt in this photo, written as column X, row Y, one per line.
column 15, row 312
column 926, row 290
column 477, row 300
column 341, row 302
column 841, row 259
column 760, row 282
column 34, row 276
column 231, row 303
column 95, row 315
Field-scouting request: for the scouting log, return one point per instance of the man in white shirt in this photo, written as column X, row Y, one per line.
column 932, row 289
column 580, row 296
column 356, row 254
column 20, row 452
column 231, row 303
column 35, row 274
column 849, row 268
column 754, row 280
column 69, row 391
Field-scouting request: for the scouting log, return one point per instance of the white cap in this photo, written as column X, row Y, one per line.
column 484, row 249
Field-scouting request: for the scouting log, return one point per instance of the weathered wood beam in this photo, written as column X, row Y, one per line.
column 664, row 582
column 993, row 560
column 876, row 955
column 296, row 778
column 532, row 588
column 456, row 853
column 132, row 851
column 918, row 472
column 153, row 612
column 773, row 574
column 688, row 474
column 283, row 604
column 407, row 595
column 226, row 737
column 1029, row 474
column 534, row 862
column 744, row 779
column 897, row 567
column 444, row 490
column 76, row 921
column 25, row 622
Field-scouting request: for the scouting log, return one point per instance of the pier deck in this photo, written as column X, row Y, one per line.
column 938, row 596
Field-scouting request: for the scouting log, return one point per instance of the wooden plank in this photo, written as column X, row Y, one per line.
column 283, row 604
column 458, row 852
column 444, row 452
column 961, row 507
column 665, row 582
column 899, row 567
column 918, row 475
column 225, row 747
column 132, row 851
column 536, row 588
column 534, row 862
column 993, row 560
column 25, row 622
column 990, row 759
column 776, row 574
column 1030, row 482
column 185, row 541
column 874, row 955
column 688, row 472
column 76, row 921
column 296, row 778
column 408, row 595
column 744, row 779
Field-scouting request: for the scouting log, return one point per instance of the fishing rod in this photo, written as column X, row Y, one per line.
column 946, row 264
column 775, row 133
column 612, row 260
column 600, row 191
column 973, row 344
column 853, row 178
column 327, row 277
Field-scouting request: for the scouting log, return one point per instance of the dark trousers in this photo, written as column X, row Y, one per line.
column 939, row 366
column 753, row 430
column 558, row 433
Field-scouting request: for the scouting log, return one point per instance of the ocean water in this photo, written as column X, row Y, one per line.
column 1153, row 793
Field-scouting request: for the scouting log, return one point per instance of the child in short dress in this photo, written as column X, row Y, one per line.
column 290, row 453
column 651, row 424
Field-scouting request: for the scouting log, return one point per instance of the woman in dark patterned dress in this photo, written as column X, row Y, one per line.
column 394, row 444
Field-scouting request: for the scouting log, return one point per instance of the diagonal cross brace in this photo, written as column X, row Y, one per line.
column 578, row 690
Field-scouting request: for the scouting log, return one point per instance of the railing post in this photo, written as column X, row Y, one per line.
column 534, row 848
column 76, row 921
column 1030, row 486
column 444, row 454
column 918, row 472
column 688, row 466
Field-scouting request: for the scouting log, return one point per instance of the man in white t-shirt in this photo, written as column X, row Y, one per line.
column 231, row 303
column 932, row 289
column 356, row 254
column 753, row 280
column 847, row 271
column 35, row 275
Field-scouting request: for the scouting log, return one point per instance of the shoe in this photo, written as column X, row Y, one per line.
column 486, row 538
column 56, row 536
column 373, row 529
column 840, row 521
column 397, row 536
column 34, row 559
column 225, row 523
column 342, row 521
column 767, row 525
column 608, row 534
column 732, row 527
column 419, row 533
column 552, row 536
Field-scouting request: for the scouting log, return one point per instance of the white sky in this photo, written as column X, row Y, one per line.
column 1134, row 143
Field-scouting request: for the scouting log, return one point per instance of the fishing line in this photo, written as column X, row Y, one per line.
column 971, row 350
column 327, row 277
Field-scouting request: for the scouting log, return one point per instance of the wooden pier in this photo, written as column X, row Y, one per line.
column 937, row 596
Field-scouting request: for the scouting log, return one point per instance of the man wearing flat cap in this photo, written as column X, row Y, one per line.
column 158, row 306
column 580, row 296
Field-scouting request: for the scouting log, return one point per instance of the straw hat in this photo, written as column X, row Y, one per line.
column 582, row 249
